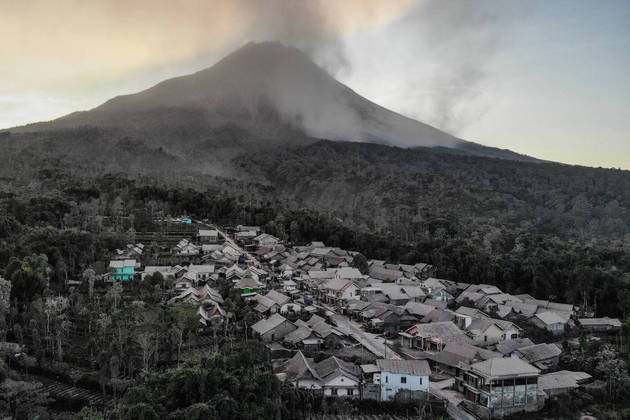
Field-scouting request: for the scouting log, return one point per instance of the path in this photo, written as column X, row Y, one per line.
column 368, row 340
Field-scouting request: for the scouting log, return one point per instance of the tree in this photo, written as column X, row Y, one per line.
column 360, row 263
column 5, row 305
column 614, row 370
column 23, row 399
column 114, row 294
column 28, row 276
column 186, row 321
column 89, row 276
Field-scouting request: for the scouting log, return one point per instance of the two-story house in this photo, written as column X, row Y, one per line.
column 402, row 379
column 499, row 386
column 122, row 270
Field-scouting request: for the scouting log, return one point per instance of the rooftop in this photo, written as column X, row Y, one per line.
column 409, row 367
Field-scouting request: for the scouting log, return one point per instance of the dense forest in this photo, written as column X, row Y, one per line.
column 553, row 231
column 549, row 230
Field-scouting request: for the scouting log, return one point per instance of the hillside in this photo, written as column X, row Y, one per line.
column 381, row 187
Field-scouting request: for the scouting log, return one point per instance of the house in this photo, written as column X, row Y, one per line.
column 432, row 337
column 338, row 291
column 498, row 387
column 244, row 228
column 438, row 315
column 211, row 315
column 273, row 328
column 247, row 286
column 491, row 331
column 339, row 378
column 600, row 324
column 348, row 273
column 185, row 247
column 544, row 356
column 333, row 376
column 122, row 270
column 381, row 273
column 167, row 272
column 265, row 305
column 266, row 240
column 561, row 382
column 507, row 348
column 246, row 236
column 449, row 359
column 465, row 315
column 198, row 273
column 414, row 312
column 304, row 337
column 549, row 321
column 189, row 296
column 208, row 236
column 402, row 379
column 130, row 252
column 207, row 293
column 278, row 297
column 289, row 286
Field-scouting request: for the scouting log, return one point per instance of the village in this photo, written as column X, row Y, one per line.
column 346, row 327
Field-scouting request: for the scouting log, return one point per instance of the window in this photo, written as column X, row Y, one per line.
column 485, row 338
column 403, row 379
column 351, row 391
column 333, row 391
column 387, row 379
column 421, row 380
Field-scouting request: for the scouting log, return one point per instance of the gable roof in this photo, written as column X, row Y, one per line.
column 550, row 318
column 298, row 335
column 590, row 322
column 538, row 352
column 418, row 309
column 349, row 273
column 336, row 284
column 333, row 367
column 277, row 297
column 445, row 331
column 562, row 380
column 265, row 325
column 381, row 273
column 508, row 346
column 408, row 367
column 471, row 312
column 297, row 367
column 504, row 367
column 247, row 283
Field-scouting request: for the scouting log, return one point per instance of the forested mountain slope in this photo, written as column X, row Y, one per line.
column 381, row 187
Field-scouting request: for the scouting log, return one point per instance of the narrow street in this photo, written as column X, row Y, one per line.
column 250, row 260
column 370, row 341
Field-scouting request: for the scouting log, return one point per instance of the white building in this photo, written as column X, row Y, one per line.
column 407, row 378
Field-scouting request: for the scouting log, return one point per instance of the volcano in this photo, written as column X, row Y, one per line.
column 263, row 92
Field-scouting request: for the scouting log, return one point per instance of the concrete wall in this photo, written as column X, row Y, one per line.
column 391, row 383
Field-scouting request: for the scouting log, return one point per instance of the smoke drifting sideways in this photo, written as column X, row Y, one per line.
column 456, row 39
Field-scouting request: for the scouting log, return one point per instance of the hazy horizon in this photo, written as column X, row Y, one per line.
column 548, row 80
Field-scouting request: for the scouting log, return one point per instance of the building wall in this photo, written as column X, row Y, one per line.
column 555, row 329
column 391, row 383
column 345, row 386
column 492, row 335
column 123, row 274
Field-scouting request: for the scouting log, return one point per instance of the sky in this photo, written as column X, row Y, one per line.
column 549, row 79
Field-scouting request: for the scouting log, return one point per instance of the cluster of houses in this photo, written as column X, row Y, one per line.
column 425, row 336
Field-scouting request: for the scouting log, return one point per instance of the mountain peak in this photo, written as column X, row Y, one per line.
column 260, row 87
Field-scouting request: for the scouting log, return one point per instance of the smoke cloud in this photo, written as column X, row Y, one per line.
column 454, row 43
